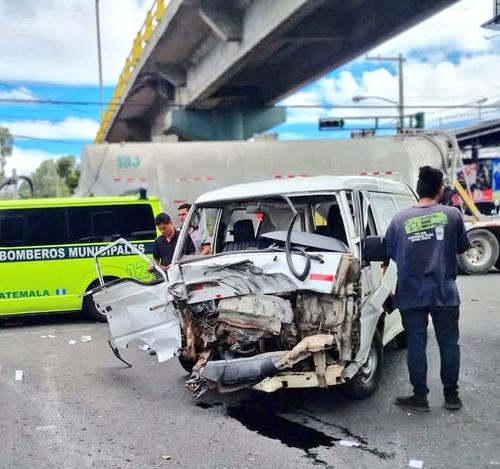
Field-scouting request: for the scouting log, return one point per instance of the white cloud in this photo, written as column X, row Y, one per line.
column 25, row 162
column 426, row 83
column 55, row 40
column 449, row 62
column 455, row 29
column 18, row 93
column 291, row 136
column 71, row 128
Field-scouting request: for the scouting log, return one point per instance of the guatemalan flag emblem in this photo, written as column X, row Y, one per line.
column 60, row 291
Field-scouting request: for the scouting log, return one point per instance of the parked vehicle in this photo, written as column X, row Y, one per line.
column 293, row 294
column 180, row 172
column 47, row 248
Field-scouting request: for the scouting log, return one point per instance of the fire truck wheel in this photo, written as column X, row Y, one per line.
column 497, row 263
column 482, row 255
column 91, row 311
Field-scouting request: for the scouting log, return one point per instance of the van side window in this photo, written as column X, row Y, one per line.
column 34, row 227
column 384, row 209
column 45, row 226
column 404, row 201
column 109, row 222
column 136, row 222
column 104, row 224
column 11, row 231
column 370, row 226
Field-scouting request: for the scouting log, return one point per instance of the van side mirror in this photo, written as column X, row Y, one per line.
column 375, row 249
column 496, row 211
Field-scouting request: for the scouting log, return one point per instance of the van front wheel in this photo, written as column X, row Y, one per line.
column 366, row 380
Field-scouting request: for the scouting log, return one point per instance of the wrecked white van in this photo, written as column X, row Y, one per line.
column 293, row 294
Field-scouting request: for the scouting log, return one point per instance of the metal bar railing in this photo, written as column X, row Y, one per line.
column 153, row 17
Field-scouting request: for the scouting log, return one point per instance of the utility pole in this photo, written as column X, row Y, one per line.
column 99, row 58
column 401, row 103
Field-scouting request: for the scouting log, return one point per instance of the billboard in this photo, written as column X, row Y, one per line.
column 483, row 177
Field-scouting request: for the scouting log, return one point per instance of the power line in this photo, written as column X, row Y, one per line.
column 51, row 140
column 36, row 99
column 289, row 106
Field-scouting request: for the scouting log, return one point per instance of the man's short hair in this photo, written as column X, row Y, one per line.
column 162, row 218
column 184, row 206
column 430, row 181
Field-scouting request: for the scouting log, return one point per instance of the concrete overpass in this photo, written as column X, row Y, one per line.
column 212, row 69
column 483, row 135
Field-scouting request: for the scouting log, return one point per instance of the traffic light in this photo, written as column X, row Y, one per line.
column 420, row 120
column 330, row 123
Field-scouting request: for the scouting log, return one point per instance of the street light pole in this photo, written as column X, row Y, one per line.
column 101, row 92
column 401, row 92
column 401, row 105
column 359, row 98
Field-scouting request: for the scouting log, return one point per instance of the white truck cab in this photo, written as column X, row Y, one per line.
column 293, row 293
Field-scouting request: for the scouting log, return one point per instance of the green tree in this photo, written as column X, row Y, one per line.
column 46, row 182
column 6, row 144
column 54, row 178
column 67, row 168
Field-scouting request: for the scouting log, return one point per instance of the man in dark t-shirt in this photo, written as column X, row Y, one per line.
column 424, row 242
column 164, row 245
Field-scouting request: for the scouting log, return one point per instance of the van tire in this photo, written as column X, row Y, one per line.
column 366, row 380
column 90, row 310
column 485, row 255
column 186, row 363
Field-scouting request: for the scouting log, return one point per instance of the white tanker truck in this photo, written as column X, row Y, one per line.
column 180, row 172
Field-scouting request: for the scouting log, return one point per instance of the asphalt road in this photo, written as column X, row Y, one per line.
column 77, row 406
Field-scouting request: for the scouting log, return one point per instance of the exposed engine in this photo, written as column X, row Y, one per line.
column 273, row 331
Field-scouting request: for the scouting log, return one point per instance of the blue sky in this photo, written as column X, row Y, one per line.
column 450, row 60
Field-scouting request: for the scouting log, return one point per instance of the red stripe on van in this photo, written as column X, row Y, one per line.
column 322, row 277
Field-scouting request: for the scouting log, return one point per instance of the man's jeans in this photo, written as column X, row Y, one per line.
column 445, row 320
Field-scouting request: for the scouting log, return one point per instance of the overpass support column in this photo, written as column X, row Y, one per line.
column 218, row 124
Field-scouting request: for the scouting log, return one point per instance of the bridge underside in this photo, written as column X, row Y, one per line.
column 209, row 64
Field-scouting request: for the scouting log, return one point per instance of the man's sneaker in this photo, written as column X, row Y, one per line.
column 418, row 403
column 452, row 401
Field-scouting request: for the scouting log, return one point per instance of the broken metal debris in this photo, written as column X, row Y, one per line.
column 349, row 444
column 416, row 464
